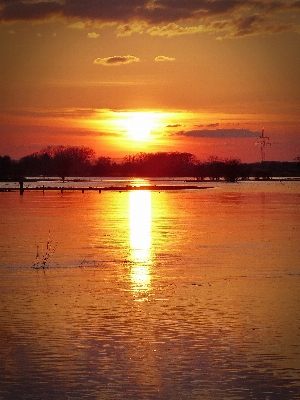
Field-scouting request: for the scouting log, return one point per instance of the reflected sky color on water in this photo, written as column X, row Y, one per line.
column 148, row 295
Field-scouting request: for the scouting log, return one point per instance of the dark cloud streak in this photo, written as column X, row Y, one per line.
column 242, row 17
column 104, row 10
column 219, row 133
column 173, row 126
column 17, row 10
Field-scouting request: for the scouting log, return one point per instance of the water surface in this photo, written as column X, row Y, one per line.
column 151, row 295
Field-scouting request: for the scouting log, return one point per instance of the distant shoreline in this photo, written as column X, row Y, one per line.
column 96, row 179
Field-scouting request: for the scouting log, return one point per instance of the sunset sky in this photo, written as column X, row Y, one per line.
column 125, row 76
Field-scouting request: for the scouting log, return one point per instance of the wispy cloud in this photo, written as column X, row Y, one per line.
column 163, row 58
column 116, row 60
column 77, row 25
column 219, row 133
column 173, row 29
column 52, row 113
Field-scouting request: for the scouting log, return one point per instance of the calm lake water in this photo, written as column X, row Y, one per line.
column 190, row 294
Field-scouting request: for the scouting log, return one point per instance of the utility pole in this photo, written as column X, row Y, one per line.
column 263, row 141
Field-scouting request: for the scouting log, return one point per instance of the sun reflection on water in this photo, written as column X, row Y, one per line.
column 140, row 238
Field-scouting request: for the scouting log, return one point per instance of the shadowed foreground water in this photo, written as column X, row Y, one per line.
column 165, row 295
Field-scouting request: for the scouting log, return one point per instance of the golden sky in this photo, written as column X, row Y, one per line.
column 203, row 76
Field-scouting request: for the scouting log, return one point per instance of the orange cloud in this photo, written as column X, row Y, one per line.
column 116, row 60
column 172, row 29
column 129, row 29
column 93, row 35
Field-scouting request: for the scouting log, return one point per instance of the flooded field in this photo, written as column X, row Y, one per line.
column 151, row 295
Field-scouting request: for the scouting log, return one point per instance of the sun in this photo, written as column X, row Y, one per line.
column 139, row 125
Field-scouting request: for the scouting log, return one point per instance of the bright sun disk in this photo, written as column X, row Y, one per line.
column 140, row 125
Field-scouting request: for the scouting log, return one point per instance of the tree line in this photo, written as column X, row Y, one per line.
column 74, row 161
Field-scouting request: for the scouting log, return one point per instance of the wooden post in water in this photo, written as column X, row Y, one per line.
column 21, row 183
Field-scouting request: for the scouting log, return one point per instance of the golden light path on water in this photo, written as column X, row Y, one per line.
column 140, row 222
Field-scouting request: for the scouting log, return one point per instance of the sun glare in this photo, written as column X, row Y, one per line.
column 139, row 125
column 140, row 130
column 140, row 223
